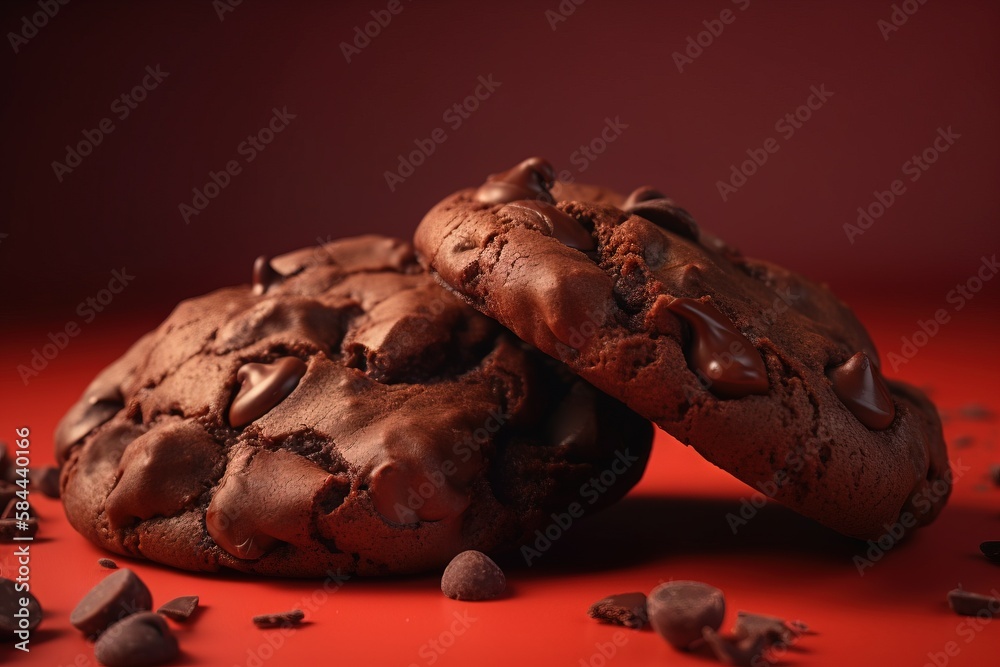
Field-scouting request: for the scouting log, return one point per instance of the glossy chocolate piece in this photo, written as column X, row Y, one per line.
column 991, row 549
column 719, row 353
column 117, row 595
column 161, row 472
column 859, row 386
column 139, row 640
column 472, row 575
column 283, row 619
column 264, row 275
column 628, row 609
column 966, row 603
column 641, row 194
column 262, row 387
column 531, row 179
column 562, row 226
column 392, row 486
column 97, row 406
column 679, row 610
column 668, row 215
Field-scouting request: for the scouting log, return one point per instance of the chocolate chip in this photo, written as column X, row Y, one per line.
column 6, row 465
column 641, row 194
column 668, row 215
column 264, row 386
column 283, row 620
column 976, row 412
column 179, row 609
column 10, row 604
column 562, row 226
column 965, row 603
column 991, row 550
column 995, row 473
column 472, row 575
column 628, row 609
column 12, row 528
column 741, row 652
column 139, row 640
column 531, row 179
column 107, row 563
column 46, row 480
column 859, row 386
column 98, row 405
column 264, row 275
column 118, row 595
column 679, row 610
column 723, row 357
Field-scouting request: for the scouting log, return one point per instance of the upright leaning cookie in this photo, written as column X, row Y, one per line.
column 342, row 413
column 765, row 373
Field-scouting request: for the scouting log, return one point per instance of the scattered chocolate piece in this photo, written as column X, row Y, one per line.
column 965, row 603
column 739, row 651
column 107, row 563
column 775, row 631
column 11, row 528
column 679, row 610
column 139, row 640
column 991, row 550
column 46, row 480
column 282, row 620
column 116, row 596
column 6, row 469
column 995, row 473
column 179, row 609
column 472, row 575
column 10, row 604
column 976, row 412
column 628, row 609
column 963, row 441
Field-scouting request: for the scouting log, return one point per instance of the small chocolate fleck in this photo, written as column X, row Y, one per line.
column 472, row 575
column 107, row 563
column 976, row 412
column 628, row 609
column 139, row 640
column 963, row 441
column 282, row 620
column 179, row 609
column 965, row 603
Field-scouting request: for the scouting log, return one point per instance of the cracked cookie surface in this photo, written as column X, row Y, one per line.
column 344, row 413
column 767, row 374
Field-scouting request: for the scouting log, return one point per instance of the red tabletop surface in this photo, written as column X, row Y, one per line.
column 672, row 526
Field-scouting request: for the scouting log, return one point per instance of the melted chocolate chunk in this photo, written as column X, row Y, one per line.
column 562, row 226
column 263, row 386
column 718, row 352
column 264, row 275
column 531, row 179
column 668, row 215
column 641, row 194
column 859, row 386
column 95, row 408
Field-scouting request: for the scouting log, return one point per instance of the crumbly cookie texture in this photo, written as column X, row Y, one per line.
column 767, row 374
column 344, row 413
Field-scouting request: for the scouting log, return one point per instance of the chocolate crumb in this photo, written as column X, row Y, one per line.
column 628, row 609
column 107, row 563
column 966, row 603
column 991, row 549
column 995, row 473
column 179, row 609
column 283, row 620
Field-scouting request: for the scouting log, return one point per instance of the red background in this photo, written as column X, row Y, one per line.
column 323, row 177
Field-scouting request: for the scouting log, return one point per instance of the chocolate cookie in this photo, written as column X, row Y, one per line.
column 764, row 372
column 342, row 413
